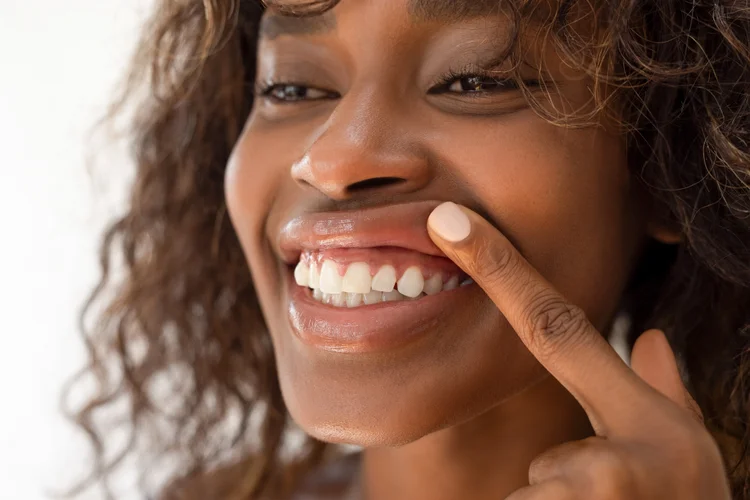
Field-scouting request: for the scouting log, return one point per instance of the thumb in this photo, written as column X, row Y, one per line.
column 654, row 361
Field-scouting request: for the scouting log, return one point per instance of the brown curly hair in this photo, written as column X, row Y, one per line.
column 178, row 348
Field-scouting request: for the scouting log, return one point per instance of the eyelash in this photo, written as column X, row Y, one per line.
column 266, row 89
column 452, row 76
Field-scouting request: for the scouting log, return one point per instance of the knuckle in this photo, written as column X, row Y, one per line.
column 494, row 263
column 560, row 489
column 540, row 468
column 611, row 473
column 694, row 455
column 555, row 459
column 555, row 323
column 694, row 450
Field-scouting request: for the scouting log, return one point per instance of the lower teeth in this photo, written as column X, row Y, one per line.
column 345, row 299
column 357, row 299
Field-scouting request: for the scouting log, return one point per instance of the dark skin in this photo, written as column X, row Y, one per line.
column 464, row 412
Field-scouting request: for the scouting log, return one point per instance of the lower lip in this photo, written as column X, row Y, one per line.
column 372, row 328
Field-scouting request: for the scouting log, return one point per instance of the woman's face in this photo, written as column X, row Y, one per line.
column 340, row 165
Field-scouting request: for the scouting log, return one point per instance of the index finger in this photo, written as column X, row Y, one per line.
column 556, row 332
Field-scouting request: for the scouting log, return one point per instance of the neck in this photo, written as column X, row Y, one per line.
column 485, row 458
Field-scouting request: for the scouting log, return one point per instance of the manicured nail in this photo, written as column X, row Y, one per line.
column 449, row 222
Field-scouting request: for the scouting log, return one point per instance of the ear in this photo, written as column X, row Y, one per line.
column 664, row 232
column 660, row 224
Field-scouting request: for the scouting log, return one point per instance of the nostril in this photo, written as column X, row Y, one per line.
column 374, row 183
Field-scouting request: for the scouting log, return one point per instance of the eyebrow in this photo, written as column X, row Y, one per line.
column 274, row 25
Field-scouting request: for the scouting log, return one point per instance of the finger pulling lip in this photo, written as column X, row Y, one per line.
column 372, row 328
column 400, row 225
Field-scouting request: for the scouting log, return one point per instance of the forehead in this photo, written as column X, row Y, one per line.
column 274, row 24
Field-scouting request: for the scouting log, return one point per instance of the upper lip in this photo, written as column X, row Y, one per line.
column 401, row 225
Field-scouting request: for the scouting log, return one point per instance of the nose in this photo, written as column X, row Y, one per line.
column 364, row 148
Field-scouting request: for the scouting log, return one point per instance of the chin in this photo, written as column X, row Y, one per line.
column 376, row 411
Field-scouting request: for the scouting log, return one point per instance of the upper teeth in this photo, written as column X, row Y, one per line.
column 384, row 280
column 358, row 280
column 411, row 283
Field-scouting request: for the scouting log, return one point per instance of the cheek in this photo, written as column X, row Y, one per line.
column 252, row 188
column 258, row 178
column 562, row 196
column 249, row 183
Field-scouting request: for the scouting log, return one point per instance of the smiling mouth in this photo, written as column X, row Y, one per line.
column 370, row 280
column 352, row 278
column 376, row 327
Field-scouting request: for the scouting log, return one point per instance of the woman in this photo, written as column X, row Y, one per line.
column 410, row 226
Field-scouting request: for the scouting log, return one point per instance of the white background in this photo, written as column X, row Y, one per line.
column 59, row 62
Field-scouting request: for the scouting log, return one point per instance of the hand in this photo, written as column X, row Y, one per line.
column 650, row 439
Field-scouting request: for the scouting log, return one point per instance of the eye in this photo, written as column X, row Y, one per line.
column 292, row 92
column 477, row 83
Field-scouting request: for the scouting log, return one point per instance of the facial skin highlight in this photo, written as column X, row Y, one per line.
column 372, row 130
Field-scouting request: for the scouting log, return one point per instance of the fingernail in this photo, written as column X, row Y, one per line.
column 449, row 222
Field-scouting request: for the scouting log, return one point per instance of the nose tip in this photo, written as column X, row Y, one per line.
column 365, row 147
column 343, row 173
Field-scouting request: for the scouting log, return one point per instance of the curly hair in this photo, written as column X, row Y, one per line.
column 178, row 349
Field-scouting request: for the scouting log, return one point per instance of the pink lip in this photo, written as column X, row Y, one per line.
column 403, row 225
column 374, row 328
column 371, row 328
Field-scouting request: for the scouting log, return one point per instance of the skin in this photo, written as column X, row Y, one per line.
column 479, row 394
column 649, row 440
